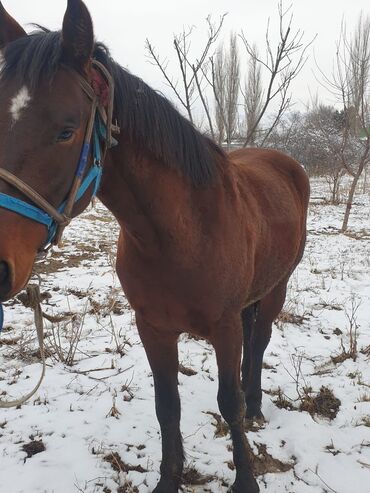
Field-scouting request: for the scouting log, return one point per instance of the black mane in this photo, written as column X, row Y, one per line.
column 148, row 118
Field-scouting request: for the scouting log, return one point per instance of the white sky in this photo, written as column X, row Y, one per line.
column 124, row 26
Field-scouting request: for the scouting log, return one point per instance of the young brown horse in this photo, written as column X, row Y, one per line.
column 208, row 240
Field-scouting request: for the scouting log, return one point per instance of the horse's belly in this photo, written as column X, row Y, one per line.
column 276, row 262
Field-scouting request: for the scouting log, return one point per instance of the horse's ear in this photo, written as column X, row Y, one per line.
column 10, row 30
column 77, row 35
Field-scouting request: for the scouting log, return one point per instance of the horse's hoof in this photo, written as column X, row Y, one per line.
column 254, row 412
column 166, row 486
column 239, row 487
column 164, row 490
column 254, row 421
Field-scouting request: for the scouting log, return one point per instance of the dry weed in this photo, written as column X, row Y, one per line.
column 222, row 428
column 324, row 403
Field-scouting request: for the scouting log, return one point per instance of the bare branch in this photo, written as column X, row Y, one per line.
column 204, row 103
column 286, row 60
column 162, row 65
column 192, row 71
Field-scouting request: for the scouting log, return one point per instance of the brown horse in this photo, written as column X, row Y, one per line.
column 208, row 240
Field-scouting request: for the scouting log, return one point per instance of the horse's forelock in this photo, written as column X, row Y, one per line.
column 33, row 58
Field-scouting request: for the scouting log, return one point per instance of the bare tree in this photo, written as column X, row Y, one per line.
column 232, row 89
column 219, row 73
column 193, row 73
column 225, row 83
column 218, row 84
column 365, row 178
column 289, row 137
column 282, row 63
column 185, row 96
column 350, row 82
column 314, row 138
column 252, row 95
column 324, row 127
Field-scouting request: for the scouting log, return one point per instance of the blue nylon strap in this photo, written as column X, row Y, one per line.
column 94, row 174
column 96, row 144
column 38, row 215
column 25, row 209
column 83, row 160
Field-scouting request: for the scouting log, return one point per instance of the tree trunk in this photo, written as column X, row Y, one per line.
column 365, row 180
column 334, row 192
column 350, row 201
column 336, row 187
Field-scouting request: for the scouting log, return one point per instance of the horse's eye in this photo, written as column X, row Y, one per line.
column 65, row 135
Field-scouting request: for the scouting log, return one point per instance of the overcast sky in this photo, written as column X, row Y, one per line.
column 124, row 26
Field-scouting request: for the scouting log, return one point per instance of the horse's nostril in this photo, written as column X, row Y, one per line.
column 4, row 272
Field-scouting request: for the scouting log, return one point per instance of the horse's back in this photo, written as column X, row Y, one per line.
column 270, row 166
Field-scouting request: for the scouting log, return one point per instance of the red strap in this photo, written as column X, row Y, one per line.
column 100, row 87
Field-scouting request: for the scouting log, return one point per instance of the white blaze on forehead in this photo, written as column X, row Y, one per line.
column 19, row 102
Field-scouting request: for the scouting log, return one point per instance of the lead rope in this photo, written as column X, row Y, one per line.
column 34, row 300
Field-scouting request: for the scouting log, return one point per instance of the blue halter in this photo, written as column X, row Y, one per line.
column 97, row 132
column 93, row 176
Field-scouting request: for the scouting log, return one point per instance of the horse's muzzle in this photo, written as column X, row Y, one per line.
column 5, row 280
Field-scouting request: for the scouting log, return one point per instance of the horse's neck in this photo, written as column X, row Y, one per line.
column 148, row 199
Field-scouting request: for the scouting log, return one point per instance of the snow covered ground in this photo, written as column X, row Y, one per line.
column 92, row 426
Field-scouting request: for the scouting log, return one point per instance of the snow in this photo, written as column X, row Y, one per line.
column 104, row 401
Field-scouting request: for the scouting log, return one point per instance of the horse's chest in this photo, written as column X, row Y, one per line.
column 171, row 297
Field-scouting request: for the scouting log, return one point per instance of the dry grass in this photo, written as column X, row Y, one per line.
column 65, row 337
column 290, row 318
column 189, row 372
column 115, row 460
column 62, row 261
column 34, row 447
column 365, row 397
column 113, row 412
column 282, row 402
column 127, row 487
column 191, row 476
column 351, row 350
column 324, row 403
column 264, row 463
column 222, row 428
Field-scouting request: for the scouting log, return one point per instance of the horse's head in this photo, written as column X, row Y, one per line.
column 43, row 118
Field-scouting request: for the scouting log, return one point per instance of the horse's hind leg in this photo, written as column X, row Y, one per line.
column 252, row 360
column 161, row 350
column 227, row 342
column 257, row 325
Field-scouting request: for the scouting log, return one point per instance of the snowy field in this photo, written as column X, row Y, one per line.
column 92, row 426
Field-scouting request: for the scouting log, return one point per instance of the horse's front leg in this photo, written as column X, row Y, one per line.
column 161, row 349
column 227, row 342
